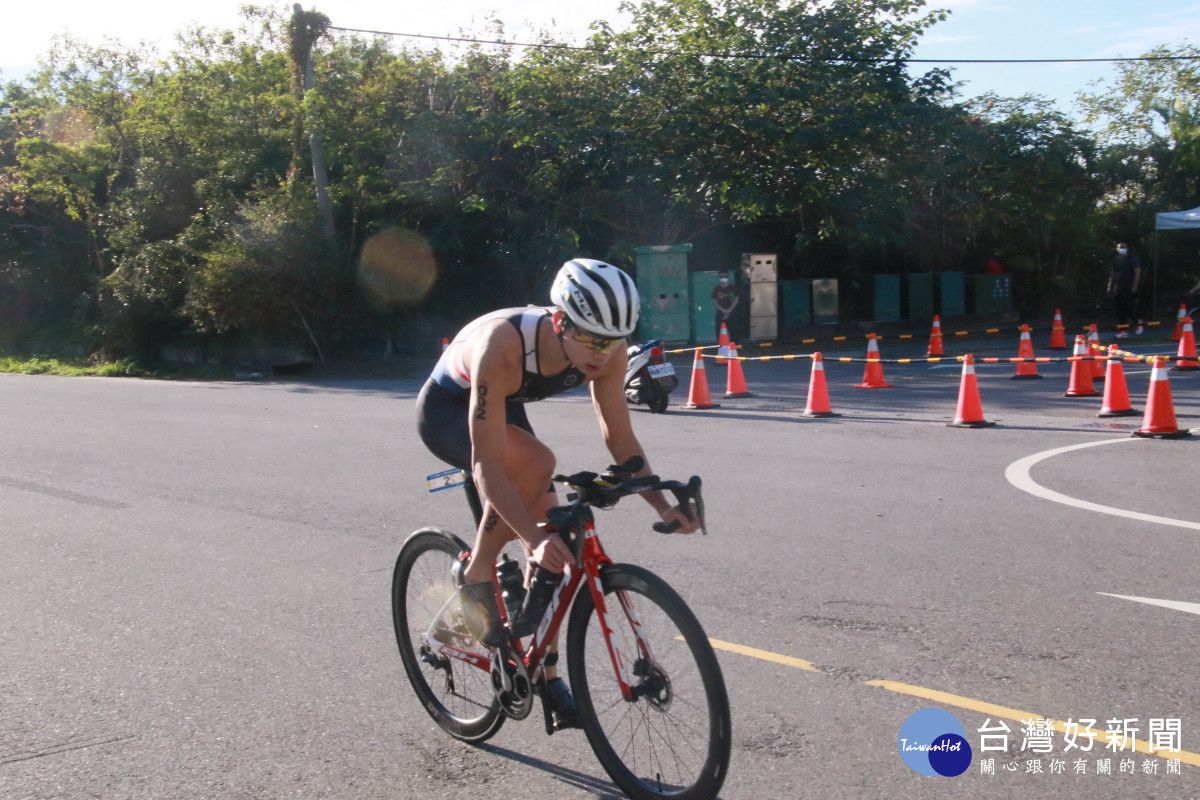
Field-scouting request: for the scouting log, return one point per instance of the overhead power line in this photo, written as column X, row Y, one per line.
column 558, row 46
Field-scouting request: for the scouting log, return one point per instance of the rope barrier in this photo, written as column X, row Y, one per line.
column 931, row 359
column 879, row 338
column 1125, row 356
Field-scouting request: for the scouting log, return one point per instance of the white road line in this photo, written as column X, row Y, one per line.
column 1176, row 605
column 1017, row 473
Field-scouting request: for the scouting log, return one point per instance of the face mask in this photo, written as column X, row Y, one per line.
column 724, row 281
column 1121, row 251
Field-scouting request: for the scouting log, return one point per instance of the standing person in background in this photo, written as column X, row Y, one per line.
column 1123, row 285
column 725, row 298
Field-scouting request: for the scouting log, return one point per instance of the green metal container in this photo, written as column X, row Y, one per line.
column 885, row 297
column 662, row 280
column 825, row 301
column 703, row 310
column 917, row 299
column 795, row 301
column 950, row 293
column 991, row 294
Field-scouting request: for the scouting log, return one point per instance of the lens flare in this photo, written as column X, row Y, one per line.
column 397, row 268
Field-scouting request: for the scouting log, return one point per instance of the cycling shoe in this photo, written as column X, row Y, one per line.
column 480, row 613
column 562, row 704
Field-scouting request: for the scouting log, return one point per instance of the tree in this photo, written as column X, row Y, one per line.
column 1148, row 124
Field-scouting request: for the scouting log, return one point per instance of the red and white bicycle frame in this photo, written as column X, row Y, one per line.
column 593, row 559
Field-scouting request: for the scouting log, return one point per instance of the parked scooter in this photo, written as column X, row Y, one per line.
column 649, row 377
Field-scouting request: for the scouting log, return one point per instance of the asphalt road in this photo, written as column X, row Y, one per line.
column 196, row 575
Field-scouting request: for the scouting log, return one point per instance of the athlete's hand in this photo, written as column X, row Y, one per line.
column 686, row 524
column 551, row 553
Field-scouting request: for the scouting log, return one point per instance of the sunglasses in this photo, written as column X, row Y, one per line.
column 600, row 344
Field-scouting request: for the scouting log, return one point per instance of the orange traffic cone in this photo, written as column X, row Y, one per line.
column 1026, row 369
column 1187, row 349
column 970, row 411
column 1094, row 350
column 1081, row 372
column 722, row 344
column 1159, row 422
column 818, row 393
column 735, row 382
column 935, row 338
column 1116, row 394
column 445, row 343
column 698, row 396
column 1175, row 337
column 873, row 374
column 1058, row 334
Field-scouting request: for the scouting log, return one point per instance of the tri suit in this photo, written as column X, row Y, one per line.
column 443, row 404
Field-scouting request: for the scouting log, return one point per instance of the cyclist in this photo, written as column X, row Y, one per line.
column 471, row 414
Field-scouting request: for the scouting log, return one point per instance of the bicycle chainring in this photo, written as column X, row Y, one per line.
column 510, row 680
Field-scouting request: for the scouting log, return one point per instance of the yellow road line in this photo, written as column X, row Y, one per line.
column 954, row 700
column 765, row 655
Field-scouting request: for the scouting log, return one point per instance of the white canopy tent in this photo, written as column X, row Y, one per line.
column 1171, row 221
column 1177, row 220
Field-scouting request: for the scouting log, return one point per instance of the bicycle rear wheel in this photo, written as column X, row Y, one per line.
column 674, row 738
column 428, row 617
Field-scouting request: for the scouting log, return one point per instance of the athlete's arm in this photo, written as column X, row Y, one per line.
column 608, row 397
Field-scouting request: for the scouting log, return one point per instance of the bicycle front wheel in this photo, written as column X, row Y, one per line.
column 434, row 642
column 673, row 739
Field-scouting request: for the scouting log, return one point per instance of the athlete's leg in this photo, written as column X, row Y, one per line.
column 529, row 466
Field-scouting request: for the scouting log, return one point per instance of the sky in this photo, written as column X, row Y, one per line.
column 976, row 29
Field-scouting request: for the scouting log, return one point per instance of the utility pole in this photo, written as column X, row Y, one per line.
column 306, row 29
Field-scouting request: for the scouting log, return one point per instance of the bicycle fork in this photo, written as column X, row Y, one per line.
column 610, row 618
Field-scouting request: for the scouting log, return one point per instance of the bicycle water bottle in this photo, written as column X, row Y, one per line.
column 512, row 586
column 541, row 589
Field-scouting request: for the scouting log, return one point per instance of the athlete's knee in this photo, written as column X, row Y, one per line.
column 532, row 469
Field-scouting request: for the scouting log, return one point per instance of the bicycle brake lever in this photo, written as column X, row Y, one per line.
column 684, row 492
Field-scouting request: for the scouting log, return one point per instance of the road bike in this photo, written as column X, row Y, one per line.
column 647, row 685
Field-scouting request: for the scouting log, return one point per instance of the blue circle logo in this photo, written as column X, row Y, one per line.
column 933, row 742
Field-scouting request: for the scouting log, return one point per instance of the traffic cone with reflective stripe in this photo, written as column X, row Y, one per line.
column 970, row 410
column 1116, row 393
column 445, row 343
column 935, row 338
column 1058, row 334
column 698, row 396
column 1026, row 369
column 818, row 393
column 873, row 373
column 735, row 382
column 1093, row 350
column 722, row 344
column 1178, row 333
column 1187, row 349
column 1081, row 372
column 1159, row 422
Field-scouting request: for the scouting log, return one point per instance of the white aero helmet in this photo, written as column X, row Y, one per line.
column 597, row 297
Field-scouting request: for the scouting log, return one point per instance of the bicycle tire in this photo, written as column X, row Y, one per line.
column 458, row 696
column 676, row 740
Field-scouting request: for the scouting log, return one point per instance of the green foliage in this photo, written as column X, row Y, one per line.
column 145, row 200
column 41, row 365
